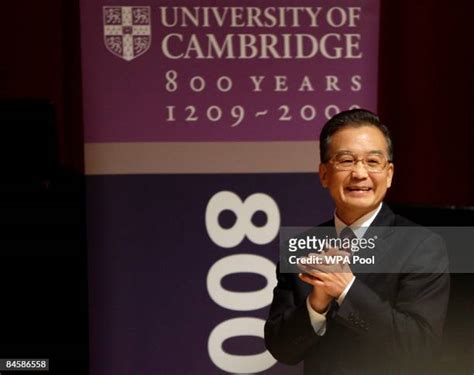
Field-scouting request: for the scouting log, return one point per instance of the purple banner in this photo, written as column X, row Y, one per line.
column 200, row 119
column 246, row 71
column 154, row 301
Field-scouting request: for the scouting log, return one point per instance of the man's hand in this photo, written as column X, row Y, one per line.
column 328, row 280
column 318, row 298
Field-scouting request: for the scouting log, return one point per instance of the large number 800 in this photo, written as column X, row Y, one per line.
column 240, row 301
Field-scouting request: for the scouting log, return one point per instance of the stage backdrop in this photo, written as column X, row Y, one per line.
column 201, row 120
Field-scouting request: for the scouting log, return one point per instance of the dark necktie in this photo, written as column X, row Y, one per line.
column 347, row 235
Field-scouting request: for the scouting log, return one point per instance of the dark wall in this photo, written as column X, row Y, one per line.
column 425, row 91
column 41, row 59
column 42, row 246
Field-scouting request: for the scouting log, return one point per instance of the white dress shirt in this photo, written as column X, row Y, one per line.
column 359, row 227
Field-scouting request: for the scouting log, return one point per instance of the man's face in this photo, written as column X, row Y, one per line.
column 357, row 191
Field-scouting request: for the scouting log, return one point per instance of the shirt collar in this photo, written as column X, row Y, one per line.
column 360, row 226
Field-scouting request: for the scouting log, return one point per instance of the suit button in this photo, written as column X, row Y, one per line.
column 351, row 315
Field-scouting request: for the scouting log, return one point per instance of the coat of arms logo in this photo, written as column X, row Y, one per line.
column 127, row 30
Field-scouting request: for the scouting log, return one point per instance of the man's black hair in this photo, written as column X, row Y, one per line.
column 353, row 118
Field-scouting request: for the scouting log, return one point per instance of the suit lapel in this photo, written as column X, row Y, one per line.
column 380, row 229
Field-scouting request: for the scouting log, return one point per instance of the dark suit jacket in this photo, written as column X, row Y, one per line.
column 389, row 322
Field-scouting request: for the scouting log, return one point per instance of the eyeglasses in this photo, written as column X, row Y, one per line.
column 346, row 161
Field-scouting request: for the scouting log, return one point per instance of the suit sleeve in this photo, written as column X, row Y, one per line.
column 288, row 330
column 412, row 325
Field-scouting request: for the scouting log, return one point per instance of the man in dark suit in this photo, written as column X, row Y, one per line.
column 389, row 320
